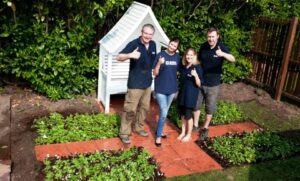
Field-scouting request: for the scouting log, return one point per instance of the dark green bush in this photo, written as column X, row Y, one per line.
column 55, row 51
column 53, row 63
column 53, row 44
column 189, row 20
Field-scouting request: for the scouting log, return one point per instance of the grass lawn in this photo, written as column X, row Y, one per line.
column 277, row 170
column 288, row 169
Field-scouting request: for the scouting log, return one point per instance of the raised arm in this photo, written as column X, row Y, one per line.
column 135, row 54
column 156, row 69
column 197, row 79
column 227, row 56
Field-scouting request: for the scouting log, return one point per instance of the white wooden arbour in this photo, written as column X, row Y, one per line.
column 113, row 75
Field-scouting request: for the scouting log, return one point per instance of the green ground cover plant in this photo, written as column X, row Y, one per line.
column 59, row 129
column 131, row 164
column 257, row 146
column 227, row 112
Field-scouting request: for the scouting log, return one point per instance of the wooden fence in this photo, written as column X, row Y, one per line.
column 275, row 57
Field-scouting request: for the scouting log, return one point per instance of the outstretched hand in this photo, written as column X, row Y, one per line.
column 135, row 54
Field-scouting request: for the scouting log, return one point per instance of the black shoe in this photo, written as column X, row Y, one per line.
column 203, row 134
column 157, row 144
column 164, row 136
column 196, row 129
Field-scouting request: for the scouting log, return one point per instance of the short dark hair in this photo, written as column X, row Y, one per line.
column 175, row 39
column 211, row 29
column 149, row 26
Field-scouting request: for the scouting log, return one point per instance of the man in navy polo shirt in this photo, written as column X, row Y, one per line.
column 211, row 55
column 142, row 53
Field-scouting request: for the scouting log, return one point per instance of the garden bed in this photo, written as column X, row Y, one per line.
column 26, row 106
column 131, row 164
column 247, row 148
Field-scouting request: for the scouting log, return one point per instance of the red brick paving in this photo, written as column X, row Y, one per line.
column 174, row 157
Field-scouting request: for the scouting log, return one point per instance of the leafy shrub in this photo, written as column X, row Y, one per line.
column 57, row 129
column 53, row 66
column 227, row 112
column 252, row 147
column 132, row 164
column 54, row 50
column 234, row 72
column 190, row 20
column 184, row 19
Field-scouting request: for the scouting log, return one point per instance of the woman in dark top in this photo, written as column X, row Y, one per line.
column 165, row 70
column 189, row 83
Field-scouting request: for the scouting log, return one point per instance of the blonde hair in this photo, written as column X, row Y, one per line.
column 195, row 61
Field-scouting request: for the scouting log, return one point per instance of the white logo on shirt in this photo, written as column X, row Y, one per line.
column 171, row 63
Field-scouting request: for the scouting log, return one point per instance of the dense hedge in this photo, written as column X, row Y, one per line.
column 235, row 19
column 53, row 44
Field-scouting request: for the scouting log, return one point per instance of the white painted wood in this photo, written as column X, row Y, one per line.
column 113, row 75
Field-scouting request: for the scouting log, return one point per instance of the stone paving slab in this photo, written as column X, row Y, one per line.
column 5, row 161
column 5, row 128
column 5, row 169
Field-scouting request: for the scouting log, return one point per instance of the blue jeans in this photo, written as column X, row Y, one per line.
column 164, row 101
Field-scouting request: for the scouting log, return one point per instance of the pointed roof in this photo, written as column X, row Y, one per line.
column 129, row 27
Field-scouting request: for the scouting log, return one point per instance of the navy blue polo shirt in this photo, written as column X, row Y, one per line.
column 166, row 81
column 211, row 63
column 188, row 90
column 140, row 70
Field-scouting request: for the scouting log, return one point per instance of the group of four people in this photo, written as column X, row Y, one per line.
column 199, row 80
